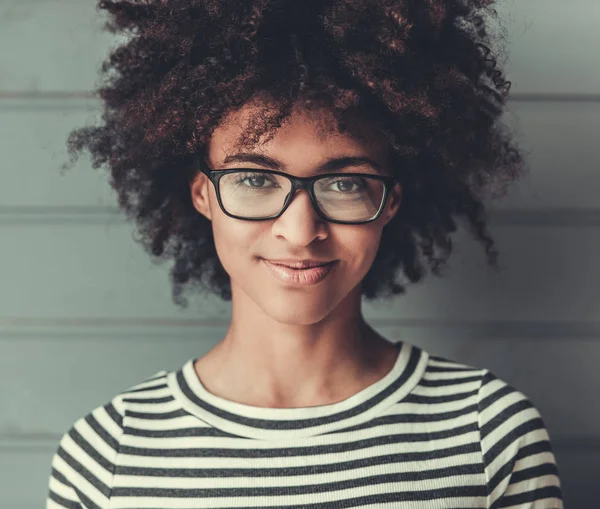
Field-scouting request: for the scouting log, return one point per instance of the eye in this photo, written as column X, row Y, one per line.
column 256, row 177
column 346, row 186
column 349, row 183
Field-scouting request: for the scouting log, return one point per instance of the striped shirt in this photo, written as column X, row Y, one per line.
column 432, row 433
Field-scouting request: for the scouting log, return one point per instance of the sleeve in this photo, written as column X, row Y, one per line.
column 83, row 466
column 519, row 462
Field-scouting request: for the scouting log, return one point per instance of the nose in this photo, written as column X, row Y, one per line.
column 300, row 223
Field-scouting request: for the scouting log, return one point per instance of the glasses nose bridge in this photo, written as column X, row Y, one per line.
column 297, row 184
column 300, row 183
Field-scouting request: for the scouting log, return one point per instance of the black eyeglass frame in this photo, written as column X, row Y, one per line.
column 306, row 183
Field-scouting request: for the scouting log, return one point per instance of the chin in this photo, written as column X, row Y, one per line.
column 299, row 310
column 296, row 308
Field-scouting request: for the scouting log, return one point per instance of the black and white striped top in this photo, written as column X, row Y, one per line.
column 431, row 434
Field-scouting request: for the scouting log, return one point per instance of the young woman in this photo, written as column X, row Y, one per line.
column 293, row 157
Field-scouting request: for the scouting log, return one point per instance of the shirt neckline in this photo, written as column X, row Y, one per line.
column 276, row 423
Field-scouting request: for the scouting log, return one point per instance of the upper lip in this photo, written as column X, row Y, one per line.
column 300, row 264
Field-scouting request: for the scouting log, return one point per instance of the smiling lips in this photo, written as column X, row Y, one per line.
column 300, row 264
column 299, row 276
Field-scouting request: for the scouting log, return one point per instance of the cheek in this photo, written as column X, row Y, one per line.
column 361, row 247
column 366, row 236
column 234, row 241
column 369, row 253
column 230, row 235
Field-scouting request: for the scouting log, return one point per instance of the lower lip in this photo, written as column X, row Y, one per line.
column 300, row 277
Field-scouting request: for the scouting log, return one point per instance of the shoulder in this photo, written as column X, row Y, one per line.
column 83, row 464
column 109, row 416
column 500, row 405
column 495, row 396
column 506, row 413
column 518, row 458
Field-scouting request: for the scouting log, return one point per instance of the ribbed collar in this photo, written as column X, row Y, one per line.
column 280, row 423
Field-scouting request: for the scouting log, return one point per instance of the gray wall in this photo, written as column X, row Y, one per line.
column 84, row 313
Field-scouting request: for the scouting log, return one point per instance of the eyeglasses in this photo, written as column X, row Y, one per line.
column 260, row 195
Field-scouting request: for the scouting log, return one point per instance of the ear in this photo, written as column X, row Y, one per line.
column 393, row 203
column 199, row 189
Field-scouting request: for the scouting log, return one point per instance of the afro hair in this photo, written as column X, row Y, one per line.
column 418, row 72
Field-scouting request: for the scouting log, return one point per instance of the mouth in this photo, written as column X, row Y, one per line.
column 302, row 265
column 300, row 276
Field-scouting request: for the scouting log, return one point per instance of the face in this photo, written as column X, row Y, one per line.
column 300, row 147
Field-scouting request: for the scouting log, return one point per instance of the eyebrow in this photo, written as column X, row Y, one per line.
column 330, row 165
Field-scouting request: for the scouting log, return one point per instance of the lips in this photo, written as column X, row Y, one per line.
column 301, row 265
column 299, row 277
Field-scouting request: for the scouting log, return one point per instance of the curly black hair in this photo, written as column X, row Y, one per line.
column 418, row 72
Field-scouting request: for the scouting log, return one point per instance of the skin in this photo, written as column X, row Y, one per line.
column 289, row 347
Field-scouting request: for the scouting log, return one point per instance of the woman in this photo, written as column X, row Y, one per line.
column 291, row 157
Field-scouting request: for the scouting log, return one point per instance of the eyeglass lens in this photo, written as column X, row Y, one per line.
column 343, row 197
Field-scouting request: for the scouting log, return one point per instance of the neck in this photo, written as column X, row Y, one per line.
column 288, row 374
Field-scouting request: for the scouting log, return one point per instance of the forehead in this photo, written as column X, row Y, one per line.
column 303, row 130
